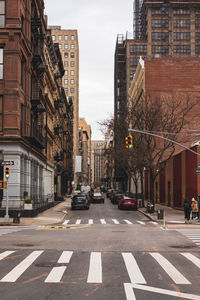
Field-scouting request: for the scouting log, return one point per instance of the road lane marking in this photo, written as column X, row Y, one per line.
column 90, row 221
column 65, row 257
column 95, row 268
column 65, row 222
column 115, row 221
column 102, row 221
column 5, row 254
column 175, row 275
column 128, row 222
column 78, row 221
column 192, row 258
column 133, row 269
column 55, row 275
column 15, row 273
column 140, row 222
column 128, row 287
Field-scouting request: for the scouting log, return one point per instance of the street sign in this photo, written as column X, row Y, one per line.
column 7, row 163
column 197, row 171
column 3, row 184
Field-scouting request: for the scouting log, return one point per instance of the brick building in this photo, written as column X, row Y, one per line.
column 168, row 78
column 30, row 84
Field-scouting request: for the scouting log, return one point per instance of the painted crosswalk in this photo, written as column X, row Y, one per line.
column 94, row 263
column 191, row 234
column 105, row 222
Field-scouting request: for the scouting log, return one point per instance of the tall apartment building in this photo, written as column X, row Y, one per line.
column 85, row 149
column 163, row 28
column 69, row 47
column 97, row 165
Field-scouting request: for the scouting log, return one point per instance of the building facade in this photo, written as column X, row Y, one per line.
column 97, row 166
column 30, row 90
column 69, row 48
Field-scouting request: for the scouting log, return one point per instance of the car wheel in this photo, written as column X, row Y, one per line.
column 102, row 201
column 119, row 207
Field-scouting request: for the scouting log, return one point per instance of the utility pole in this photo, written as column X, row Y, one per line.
column 7, row 175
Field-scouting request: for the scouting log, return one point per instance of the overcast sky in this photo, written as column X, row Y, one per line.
column 98, row 22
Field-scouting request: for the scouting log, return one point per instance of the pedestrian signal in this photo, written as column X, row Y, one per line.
column 3, row 184
column 7, row 172
column 129, row 141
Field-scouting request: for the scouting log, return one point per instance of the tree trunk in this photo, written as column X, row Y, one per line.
column 152, row 179
column 142, row 185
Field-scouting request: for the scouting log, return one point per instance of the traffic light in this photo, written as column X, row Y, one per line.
column 7, row 172
column 129, row 142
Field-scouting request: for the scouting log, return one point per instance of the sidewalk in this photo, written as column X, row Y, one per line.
column 52, row 215
column 174, row 218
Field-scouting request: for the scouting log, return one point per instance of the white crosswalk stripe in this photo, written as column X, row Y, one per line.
column 193, row 235
column 90, row 221
column 175, row 275
column 128, row 222
column 129, row 262
column 140, row 222
column 104, row 222
column 78, row 222
column 65, row 222
column 115, row 221
column 14, row 274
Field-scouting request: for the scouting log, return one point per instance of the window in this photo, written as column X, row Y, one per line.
column 72, row 37
column 66, row 54
column 161, row 23
column 132, row 72
column 2, row 13
column 60, row 46
column 180, row 36
column 72, row 55
column 72, row 81
column 60, row 37
column 1, row 113
column 181, row 11
column 72, row 90
column 133, row 61
column 66, row 37
column 159, row 10
column 181, row 49
column 66, row 81
column 197, row 49
column 66, row 72
column 72, row 63
column 66, row 63
column 160, row 36
column 66, row 46
column 181, row 23
column 197, row 36
column 72, row 72
column 66, row 90
column 72, row 46
column 1, row 63
column 53, row 37
column 156, row 49
column 138, row 48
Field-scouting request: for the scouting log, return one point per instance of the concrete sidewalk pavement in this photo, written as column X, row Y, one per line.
column 53, row 215
column 174, row 218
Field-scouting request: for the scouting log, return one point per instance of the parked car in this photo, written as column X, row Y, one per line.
column 97, row 198
column 103, row 189
column 108, row 192
column 116, row 196
column 112, row 194
column 80, row 201
column 127, row 202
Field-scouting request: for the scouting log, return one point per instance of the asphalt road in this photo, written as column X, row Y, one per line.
column 98, row 254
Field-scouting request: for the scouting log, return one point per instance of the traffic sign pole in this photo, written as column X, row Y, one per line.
column 6, row 217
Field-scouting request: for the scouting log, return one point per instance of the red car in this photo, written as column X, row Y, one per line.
column 127, row 202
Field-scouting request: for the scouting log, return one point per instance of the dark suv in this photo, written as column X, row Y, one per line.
column 116, row 196
column 80, row 201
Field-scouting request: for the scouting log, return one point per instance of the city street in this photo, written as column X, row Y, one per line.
column 98, row 254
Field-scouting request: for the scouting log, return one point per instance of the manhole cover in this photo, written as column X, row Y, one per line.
column 24, row 245
column 183, row 246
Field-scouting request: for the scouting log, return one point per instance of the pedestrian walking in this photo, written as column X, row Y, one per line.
column 194, row 206
column 198, row 204
column 187, row 209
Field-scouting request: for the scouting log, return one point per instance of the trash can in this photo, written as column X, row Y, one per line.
column 160, row 214
column 150, row 208
column 17, row 216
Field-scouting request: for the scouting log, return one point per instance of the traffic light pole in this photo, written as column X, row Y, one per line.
column 6, row 217
column 164, row 138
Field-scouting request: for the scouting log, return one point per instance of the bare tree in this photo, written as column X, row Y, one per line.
column 167, row 116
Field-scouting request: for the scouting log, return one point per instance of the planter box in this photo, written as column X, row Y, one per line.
column 28, row 206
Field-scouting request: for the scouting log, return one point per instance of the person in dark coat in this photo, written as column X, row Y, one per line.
column 187, row 209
